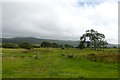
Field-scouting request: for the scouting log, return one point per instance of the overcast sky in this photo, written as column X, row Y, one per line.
column 59, row 19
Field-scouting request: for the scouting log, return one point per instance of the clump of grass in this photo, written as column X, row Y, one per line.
column 81, row 77
column 63, row 54
column 103, row 57
column 42, row 50
column 25, row 51
column 70, row 56
column 22, row 56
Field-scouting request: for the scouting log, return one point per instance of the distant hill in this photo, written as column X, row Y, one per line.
column 111, row 45
column 33, row 40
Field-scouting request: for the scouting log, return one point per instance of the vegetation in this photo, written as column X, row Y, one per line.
column 68, row 46
column 51, row 63
column 9, row 45
column 55, row 45
column 81, row 45
column 45, row 44
column 33, row 40
column 53, row 60
column 52, row 45
column 26, row 46
column 95, row 39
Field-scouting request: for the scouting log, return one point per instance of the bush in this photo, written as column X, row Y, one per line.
column 62, row 48
column 68, row 46
column 45, row 44
column 9, row 45
column 54, row 45
column 36, row 46
column 26, row 46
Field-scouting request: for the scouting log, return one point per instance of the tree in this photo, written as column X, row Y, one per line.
column 54, row 45
column 81, row 45
column 68, row 46
column 114, row 46
column 26, row 46
column 88, row 44
column 102, row 44
column 45, row 44
column 36, row 46
column 9, row 45
column 94, row 38
column 60, row 46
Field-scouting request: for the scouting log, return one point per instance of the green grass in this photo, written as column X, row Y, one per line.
column 18, row 63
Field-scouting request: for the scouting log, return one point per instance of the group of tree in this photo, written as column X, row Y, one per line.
column 47, row 44
column 92, row 39
column 68, row 46
column 24, row 45
column 55, row 45
column 28, row 46
column 9, row 45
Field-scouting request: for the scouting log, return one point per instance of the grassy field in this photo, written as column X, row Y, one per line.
column 58, row 63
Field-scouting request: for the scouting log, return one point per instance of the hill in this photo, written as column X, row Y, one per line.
column 33, row 40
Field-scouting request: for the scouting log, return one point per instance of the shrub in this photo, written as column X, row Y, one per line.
column 9, row 45
column 68, row 46
column 62, row 48
column 36, row 46
column 45, row 44
column 26, row 46
column 54, row 45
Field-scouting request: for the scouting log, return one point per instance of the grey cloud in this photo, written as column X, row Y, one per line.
column 46, row 19
column 20, row 19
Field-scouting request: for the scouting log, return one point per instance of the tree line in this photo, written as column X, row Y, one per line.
column 26, row 45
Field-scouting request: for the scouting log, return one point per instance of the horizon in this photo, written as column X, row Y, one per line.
column 50, row 39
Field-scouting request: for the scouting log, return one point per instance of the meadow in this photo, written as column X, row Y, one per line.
column 59, row 63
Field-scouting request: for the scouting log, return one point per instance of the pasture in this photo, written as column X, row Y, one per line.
column 58, row 63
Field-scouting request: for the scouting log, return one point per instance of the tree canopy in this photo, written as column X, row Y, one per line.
column 93, row 38
column 9, row 45
column 26, row 45
column 47, row 44
column 68, row 46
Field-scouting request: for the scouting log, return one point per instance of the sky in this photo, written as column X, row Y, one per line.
column 59, row 19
